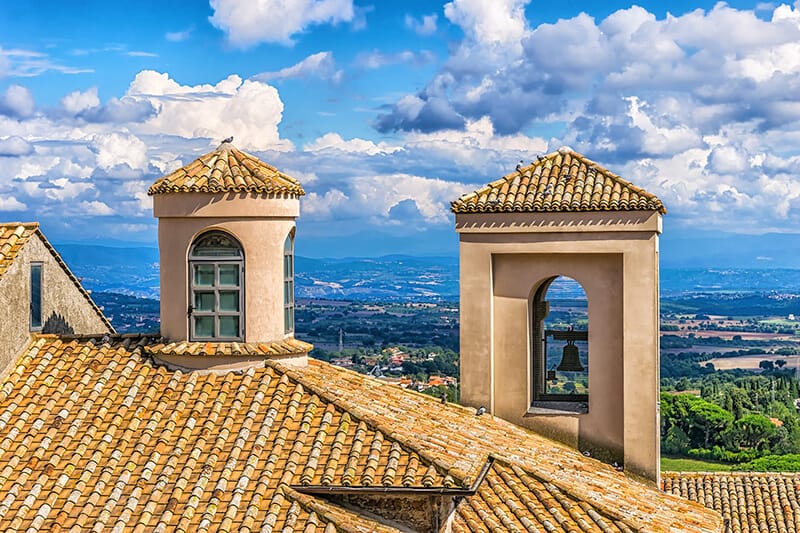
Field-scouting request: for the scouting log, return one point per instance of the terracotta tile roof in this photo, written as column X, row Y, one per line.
column 95, row 435
column 511, row 499
column 456, row 440
column 290, row 346
column 748, row 501
column 559, row 181
column 14, row 236
column 227, row 169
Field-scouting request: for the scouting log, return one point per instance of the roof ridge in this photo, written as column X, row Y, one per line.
column 355, row 412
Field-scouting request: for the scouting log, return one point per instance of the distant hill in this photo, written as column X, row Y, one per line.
column 135, row 272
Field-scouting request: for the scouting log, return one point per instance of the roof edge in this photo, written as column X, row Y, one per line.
column 74, row 279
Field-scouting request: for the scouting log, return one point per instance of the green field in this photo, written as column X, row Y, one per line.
column 669, row 464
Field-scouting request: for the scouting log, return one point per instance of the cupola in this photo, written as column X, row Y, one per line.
column 226, row 230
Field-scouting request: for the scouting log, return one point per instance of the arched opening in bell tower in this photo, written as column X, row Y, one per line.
column 560, row 346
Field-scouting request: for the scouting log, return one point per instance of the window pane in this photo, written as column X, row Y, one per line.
column 204, row 275
column 204, row 301
column 229, row 275
column 204, row 326
column 229, row 326
column 228, row 300
column 36, row 296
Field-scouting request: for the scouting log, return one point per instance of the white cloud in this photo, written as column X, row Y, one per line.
column 491, row 22
column 9, row 203
column 249, row 22
column 140, row 53
column 96, row 208
column 78, row 101
column 320, row 65
column 178, row 36
column 325, row 206
column 15, row 147
column 17, row 101
column 477, row 144
column 424, row 26
column 376, row 59
column 21, row 63
column 115, row 149
column 334, row 141
column 248, row 110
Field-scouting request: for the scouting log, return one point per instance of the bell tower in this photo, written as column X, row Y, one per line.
column 226, row 230
column 596, row 386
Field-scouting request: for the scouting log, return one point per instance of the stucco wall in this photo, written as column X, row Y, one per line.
column 503, row 262
column 64, row 308
column 260, row 224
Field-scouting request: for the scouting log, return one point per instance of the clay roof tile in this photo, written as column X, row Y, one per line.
column 560, row 181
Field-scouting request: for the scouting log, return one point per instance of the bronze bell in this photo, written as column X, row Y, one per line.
column 570, row 362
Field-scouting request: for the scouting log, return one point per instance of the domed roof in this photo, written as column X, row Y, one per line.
column 227, row 169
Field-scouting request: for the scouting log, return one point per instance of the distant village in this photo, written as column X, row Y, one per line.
column 391, row 366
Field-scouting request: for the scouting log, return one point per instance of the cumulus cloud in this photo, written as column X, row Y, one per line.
column 249, row 110
column 379, row 199
column 423, row 26
column 334, row 141
column 78, row 101
column 115, row 149
column 9, row 203
column 17, row 102
column 249, row 22
column 320, row 65
column 15, row 147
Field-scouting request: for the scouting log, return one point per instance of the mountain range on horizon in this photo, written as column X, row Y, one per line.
column 700, row 263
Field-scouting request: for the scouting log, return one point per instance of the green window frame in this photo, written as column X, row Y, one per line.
column 216, row 288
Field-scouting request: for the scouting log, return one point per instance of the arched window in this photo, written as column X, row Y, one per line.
column 216, row 270
column 560, row 335
column 288, row 283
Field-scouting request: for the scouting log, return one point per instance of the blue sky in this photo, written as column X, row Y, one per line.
column 386, row 111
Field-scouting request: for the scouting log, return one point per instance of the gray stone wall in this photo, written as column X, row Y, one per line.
column 64, row 309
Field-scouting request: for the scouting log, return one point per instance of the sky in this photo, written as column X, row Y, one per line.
column 388, row 111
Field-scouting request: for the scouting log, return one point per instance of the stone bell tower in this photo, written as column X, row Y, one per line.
column 226, row 229
column 595, row 389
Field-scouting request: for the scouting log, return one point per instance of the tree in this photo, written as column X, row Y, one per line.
column 780, row 363
column 753, row 432
column 766, row 365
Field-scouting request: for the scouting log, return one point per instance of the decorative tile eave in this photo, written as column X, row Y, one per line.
column 290, row 346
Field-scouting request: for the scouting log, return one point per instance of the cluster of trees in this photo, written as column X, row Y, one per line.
column 731, row 419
